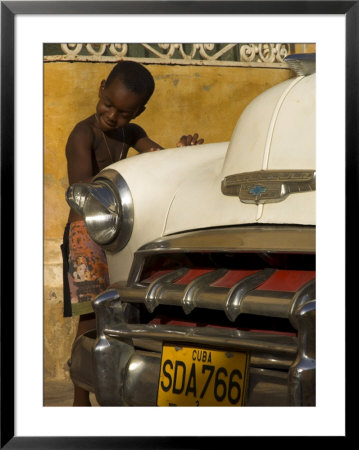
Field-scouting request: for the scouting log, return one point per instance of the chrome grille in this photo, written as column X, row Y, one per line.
column 246, row 296
column 224, row 289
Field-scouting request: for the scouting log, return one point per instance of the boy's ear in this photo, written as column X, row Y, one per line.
column 140, row 110
column 102, row 87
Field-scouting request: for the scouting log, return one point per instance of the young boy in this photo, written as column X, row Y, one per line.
column 95, row 143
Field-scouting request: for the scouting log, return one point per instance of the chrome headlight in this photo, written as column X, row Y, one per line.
column 107, row 208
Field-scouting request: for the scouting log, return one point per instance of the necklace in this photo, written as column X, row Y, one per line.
column 108, row 148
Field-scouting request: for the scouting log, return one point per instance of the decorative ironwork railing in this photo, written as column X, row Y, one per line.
column 267, row 55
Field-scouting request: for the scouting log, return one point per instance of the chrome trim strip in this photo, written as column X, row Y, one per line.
column 239, row 291
column 263, row 303
column 268, row 303
column 275, row 362
column 193, row 289
column 266, row 238
column 259, row 360
column 304, row 295
column 235, row 339
column 154, row 290
column 302, row 389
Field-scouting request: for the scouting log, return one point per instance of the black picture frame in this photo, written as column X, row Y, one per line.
column 9, row 9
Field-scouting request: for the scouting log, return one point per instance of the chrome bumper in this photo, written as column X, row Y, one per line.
column 135, row 381
column 122, row 364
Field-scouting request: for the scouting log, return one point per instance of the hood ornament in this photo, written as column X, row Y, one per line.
column 268, row 186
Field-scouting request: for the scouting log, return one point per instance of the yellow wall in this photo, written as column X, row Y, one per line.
column 188, row 99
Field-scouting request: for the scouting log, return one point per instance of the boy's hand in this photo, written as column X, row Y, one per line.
column 154, row 149
column 189, row 140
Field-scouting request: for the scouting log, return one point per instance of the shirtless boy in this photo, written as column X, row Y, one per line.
column 95, row 143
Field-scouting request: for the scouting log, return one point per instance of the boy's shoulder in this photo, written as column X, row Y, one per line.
column 84, row 126
column 83, row 132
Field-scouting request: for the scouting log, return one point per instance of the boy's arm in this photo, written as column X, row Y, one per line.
column 78, row 154
column 144, row 144
column 140, row 141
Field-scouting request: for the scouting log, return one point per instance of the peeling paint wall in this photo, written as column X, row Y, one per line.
column 188, row 99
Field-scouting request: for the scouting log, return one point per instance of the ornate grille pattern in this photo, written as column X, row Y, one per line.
column 254, row 55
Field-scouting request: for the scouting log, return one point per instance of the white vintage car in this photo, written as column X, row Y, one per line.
column 211, row 254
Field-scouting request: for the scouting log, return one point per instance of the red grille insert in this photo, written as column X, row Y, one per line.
column 155, row 276
column 232, row 277
column 287, row 280
column 192, row 275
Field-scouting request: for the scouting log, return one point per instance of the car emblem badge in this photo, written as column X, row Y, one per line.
column 268, row 186
column 257, row 190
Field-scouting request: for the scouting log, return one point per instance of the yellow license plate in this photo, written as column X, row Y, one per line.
column 193, row 376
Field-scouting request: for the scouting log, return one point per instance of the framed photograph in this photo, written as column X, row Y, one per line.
column 36, row 39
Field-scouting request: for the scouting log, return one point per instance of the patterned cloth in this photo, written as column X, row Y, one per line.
column 85, row 272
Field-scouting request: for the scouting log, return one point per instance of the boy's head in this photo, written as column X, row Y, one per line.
column 135, row 77
column 123, row 95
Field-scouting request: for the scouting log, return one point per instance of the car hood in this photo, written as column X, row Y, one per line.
column 180, row 189
column 275, row 132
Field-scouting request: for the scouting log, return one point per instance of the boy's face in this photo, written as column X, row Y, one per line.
column 117, row 105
